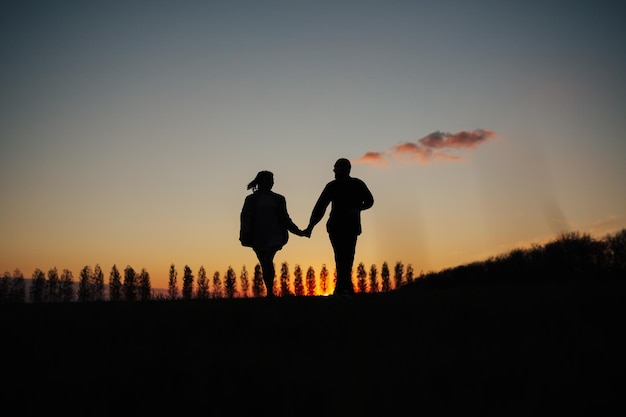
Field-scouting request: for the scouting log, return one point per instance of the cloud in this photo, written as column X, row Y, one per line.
column 435, row 146
column 375, row 158
column 463, row 139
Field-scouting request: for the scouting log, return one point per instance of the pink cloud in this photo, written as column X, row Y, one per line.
column 375, row 158
column 463, row 139
column 435, row 146
column 410, row 150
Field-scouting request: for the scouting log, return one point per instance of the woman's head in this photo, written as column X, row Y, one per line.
column 264, row 180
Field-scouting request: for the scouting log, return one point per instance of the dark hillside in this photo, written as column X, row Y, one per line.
column 477, row 350
column 571, row 257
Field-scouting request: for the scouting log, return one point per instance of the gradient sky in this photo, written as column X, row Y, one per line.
column 129, row 130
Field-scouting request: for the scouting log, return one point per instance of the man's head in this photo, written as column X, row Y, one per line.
column 342, row 168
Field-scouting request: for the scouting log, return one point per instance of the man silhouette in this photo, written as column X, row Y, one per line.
column 349, row 196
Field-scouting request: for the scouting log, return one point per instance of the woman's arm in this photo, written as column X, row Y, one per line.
column 286, row 219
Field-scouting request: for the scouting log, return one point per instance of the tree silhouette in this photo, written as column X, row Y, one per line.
column 217, row 285
column 67, row 286
column 616, row 251
column 17, row 287
column 384, row 276
column 17, row 293
column 230, row 283
column 172, row 285
column 310, row 281
column 373, row 279
column 257, row 281
column 324, row 279
column 203, row 284
column 129, row 287
column 17, row 290
column 579, row 252
column 5, row 285
column 245, row 282
column 85, row 284
column 53, row 289
column 13, row 287
column 285, row 280
column 38, row 286
column 187, row 283
column 361, row 278
column 398, row 272
column 145, row 287
column 409, row 273
column 98, row 281
column 115, row 284
column 298, row 284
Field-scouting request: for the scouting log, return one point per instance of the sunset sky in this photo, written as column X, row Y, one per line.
column 129, row 130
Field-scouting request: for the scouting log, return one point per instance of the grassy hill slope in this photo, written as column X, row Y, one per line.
column 485, row 349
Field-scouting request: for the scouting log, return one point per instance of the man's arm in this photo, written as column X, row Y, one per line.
column 368, row 198
column 318, row 211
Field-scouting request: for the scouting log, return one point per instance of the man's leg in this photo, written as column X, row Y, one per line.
column 344, row 247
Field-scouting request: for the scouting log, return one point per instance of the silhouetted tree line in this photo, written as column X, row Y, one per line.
column 231, row 285
column 570, row 257
column 128, row 285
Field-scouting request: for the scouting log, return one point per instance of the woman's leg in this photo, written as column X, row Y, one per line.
column 266, row 259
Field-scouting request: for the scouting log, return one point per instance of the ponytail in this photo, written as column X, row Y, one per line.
column 260, row 177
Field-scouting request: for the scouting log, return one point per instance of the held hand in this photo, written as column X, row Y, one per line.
column 307, row 231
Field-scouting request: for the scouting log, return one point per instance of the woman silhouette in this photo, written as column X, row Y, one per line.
column 265, row 224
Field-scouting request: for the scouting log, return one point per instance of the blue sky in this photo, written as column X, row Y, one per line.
column 129, row 132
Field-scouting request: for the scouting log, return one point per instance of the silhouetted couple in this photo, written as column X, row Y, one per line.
column 265, row 222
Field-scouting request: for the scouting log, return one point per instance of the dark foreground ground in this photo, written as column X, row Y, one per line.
column 491, row 350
